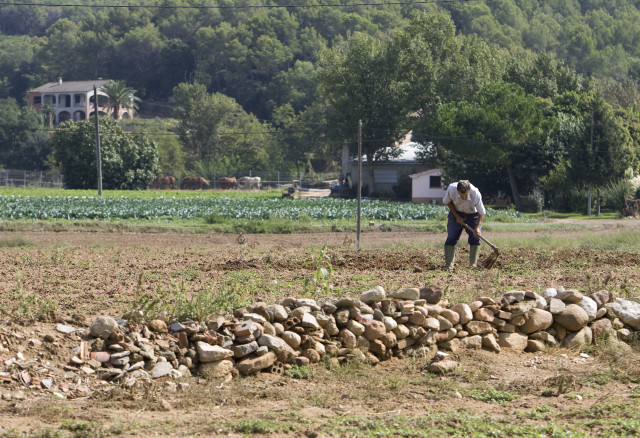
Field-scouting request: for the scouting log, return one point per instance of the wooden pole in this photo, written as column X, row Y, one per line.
column 590, row 192
column 359, row 184
column 98, row 160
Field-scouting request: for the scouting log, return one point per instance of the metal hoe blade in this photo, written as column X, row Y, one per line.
column 491, row 260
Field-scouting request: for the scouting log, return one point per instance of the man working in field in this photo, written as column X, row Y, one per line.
column 465, row 204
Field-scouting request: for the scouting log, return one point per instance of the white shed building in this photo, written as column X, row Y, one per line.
column 426, row 187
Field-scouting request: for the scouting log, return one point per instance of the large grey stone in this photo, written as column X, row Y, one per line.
column 255, row 364
column 478, row 327
column 102, row 327
column 589, row 306
column 374, row 295
column 464, row 311
column 577, row 340
column 241, row 350
column 514, row 341
column 601, row 297
column 216, row 370
column 277, row 312
column 431, row 294
column 161, row 369
column 407, row 293
column 443, row 367
column 282, row 350
column 573, row 318
column 627, row 311
column 212, row 353
column 536, row 320
column 569, row 296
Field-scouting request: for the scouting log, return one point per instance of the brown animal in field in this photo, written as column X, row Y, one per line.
column 194, row 183
column 248, row 182
column 163, row 182
column 228, row 182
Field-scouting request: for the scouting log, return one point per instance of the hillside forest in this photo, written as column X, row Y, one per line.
column 521, row 97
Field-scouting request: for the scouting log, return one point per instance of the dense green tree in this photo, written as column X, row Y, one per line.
column 23, row 141
column 23, row 20
column 601, row 148
column 502, row 126
column 363, row 82
column 138, row 55
column 296, row 87
column 17, row 64
column 217, row 133
column 129, row 161
column 61, row 51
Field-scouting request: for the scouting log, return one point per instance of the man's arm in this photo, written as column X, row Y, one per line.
column 453, row 210
column 478, row 225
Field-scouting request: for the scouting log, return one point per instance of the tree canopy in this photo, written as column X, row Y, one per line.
column 129, row 161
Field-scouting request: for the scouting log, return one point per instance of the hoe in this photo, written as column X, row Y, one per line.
column 491, row 260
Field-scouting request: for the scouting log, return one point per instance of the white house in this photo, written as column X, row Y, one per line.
column 71, row 100
column 426, row 187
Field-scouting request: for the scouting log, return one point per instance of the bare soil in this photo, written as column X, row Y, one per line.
column 90, row 273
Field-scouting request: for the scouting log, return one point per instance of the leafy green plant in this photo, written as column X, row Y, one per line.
column 320, row 282
column 616, row 192
column 29, row 305
column 181, row 304
column 299, row 372
column 493, row 395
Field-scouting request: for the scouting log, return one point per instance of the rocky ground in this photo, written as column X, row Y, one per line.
column 54, row 285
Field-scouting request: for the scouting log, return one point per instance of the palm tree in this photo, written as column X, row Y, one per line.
column 48, row 113
column 120, row 96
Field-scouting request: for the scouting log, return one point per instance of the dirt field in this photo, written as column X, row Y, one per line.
column 83, row 275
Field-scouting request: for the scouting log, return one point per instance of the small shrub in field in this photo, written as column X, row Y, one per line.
column 15, row 242
column 494, row 396
column 182, row 304
column 299, row 372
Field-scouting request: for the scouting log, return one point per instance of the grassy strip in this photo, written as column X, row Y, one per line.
column 601, row 419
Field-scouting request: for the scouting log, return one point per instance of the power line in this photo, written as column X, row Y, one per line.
column 292, row 6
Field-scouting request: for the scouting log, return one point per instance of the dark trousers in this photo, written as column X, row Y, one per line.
column 454, row 230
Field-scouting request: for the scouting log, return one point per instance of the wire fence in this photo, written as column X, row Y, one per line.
column 30, row 178
column 271, row 179
column 268, row 179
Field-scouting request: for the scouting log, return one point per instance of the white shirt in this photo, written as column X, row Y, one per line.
column 472, row 204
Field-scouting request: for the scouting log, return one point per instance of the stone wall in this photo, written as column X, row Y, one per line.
column 375, row 327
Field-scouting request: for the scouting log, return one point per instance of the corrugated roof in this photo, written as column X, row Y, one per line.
column 408, row 154
column 424, row 172
column 70, row 86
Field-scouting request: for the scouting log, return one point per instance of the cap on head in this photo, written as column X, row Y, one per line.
column 464, row 186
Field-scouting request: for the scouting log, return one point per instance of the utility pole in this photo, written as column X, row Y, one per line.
column 590, row 191
column 359, row 184
column 98, row 160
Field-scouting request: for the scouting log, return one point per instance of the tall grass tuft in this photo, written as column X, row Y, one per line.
column 179, row 303
column 15, row 242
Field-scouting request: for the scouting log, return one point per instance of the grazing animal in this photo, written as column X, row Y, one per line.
column 163, row 182
column 248, row 182
column 194, row 183
column 228, row 182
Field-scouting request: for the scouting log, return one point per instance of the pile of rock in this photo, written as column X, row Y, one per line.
column 271, row 338
column 375, row 327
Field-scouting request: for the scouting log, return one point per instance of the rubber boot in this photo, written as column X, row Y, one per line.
column 449, row 256
column 474, row 253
